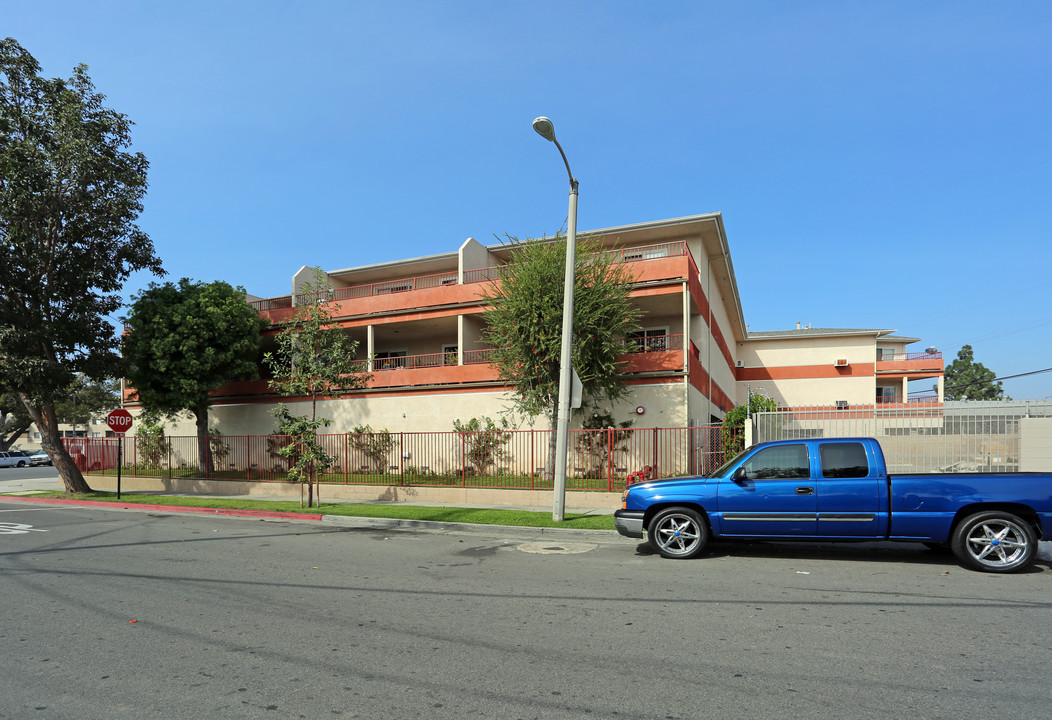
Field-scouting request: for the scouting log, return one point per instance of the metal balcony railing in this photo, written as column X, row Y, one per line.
column 421, row 282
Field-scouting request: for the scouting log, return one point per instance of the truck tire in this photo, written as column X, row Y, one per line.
column 678, row 533
column 21, row 463
column 994, row 541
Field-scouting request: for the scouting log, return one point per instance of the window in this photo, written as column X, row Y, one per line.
column 843, row 460
column 781, row 462
column 648, row 339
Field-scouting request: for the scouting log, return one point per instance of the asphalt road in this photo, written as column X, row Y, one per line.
column 128, row 614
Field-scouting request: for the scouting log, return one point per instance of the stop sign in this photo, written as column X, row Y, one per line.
column 119, row 420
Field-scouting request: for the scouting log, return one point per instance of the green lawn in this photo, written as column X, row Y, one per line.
column 482, row 516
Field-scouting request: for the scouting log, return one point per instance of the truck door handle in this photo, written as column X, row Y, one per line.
column 805, row 491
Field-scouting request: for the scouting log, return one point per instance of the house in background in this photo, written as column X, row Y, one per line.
column 419, row 325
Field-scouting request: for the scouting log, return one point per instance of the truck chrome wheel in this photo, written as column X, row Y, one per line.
column 678, row 533
column 994, row 541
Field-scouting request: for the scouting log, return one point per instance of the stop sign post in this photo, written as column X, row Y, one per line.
column 120, row 422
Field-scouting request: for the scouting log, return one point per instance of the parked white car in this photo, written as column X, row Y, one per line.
column 39, row 458
column 9, row 460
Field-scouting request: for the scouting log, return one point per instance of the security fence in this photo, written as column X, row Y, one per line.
column 973, row 436
column 515, row 459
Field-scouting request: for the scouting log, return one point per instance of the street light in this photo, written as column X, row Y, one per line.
column 546, row 130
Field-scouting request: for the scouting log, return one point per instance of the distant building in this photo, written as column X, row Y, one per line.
column 419, row 325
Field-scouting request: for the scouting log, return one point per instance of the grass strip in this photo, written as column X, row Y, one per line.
column 480, row 516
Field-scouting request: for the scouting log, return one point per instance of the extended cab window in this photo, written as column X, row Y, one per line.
column 843, row 460
column 782, row 462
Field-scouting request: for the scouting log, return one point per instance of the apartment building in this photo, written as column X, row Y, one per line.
column 419, row 325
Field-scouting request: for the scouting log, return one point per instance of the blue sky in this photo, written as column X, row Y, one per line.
column 878, row 164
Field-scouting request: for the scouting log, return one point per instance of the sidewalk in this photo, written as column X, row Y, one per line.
column 24, row 489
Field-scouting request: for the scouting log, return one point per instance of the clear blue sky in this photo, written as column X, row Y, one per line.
column 878, row 164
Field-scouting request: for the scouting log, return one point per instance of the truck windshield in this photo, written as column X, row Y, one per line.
column 722, row 469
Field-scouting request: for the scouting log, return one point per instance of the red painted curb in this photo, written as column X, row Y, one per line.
column 170, row 508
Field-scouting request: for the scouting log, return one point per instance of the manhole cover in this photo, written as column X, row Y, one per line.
column 557, row 548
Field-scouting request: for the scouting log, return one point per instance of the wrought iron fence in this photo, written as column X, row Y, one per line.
column 603, row 460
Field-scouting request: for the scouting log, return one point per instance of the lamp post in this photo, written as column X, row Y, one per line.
column 546, row 130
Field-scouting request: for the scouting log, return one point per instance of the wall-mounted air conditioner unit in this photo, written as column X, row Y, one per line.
column 741, row 363
column 841, row 404
column 840, row 362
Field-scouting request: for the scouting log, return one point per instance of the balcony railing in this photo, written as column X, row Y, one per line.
column 428, row 360
column 477, row 357
column 654, row 343
column 898, row 357
column 275, row 303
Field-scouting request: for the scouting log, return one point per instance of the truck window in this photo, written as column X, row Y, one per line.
column 781, row 462
column 843, row 460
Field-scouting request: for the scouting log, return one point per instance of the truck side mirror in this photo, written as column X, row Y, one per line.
column 740, row 475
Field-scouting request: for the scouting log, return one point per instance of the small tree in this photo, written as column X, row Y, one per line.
column 733, row 432
column 186, row 340
column 604, row 439
column 524, row 326
column 314, row 358
column 151, row 446
column 375, row 446
column 485, row 442
column 307, row 458
column 965, row 379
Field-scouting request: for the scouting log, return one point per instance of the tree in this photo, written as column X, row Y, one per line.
column 733, row 431
column 375, row 446
column 314, row 358
column 484, row 442
column 70, row 193
column 524, row 327
column 965, row 379
column 605, row 439
column 185, row 341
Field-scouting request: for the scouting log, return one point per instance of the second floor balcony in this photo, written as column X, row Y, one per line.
column 909, row 363
column 651, row 262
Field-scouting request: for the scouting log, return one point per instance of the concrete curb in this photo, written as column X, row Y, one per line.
column 348, row 521
column 117, row 505
column 473, row 528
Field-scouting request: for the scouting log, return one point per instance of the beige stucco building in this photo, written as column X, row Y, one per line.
column 419, row 324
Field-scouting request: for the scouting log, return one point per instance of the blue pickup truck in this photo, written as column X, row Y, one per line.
column 840, row 490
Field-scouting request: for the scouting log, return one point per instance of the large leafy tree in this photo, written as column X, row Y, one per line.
column 524, row 326
column 184, row 341
column 70, row 195
column 314, row 359
column 966, row 379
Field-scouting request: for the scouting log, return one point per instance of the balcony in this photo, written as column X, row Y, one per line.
column 656, row 262
column 910, row 364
